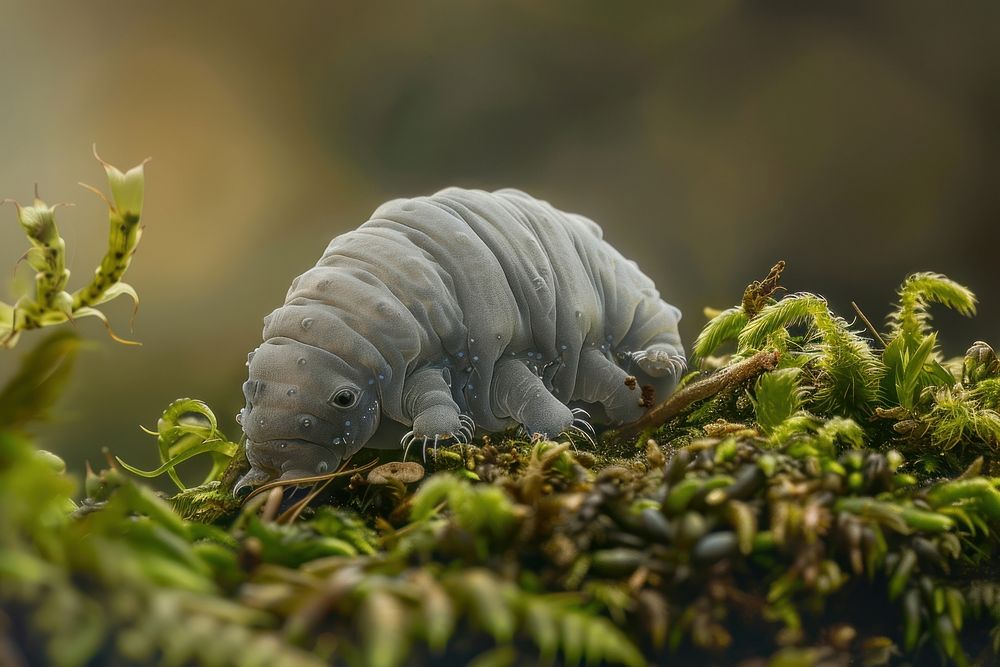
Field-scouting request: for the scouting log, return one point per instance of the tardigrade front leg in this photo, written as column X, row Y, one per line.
column 435, row 416
column 519, row 394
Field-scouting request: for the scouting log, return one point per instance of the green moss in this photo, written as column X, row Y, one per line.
column 832, row 506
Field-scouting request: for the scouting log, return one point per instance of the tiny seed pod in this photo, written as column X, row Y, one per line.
column 926, row 586
column 676, row 466
column 930, row 522
column 623, row 539
column 830, row 577
column 768, row 464
column 709, row 486
column 944, row 632
column 876, row 470
column 854, row 459
column 715, row 497
column 856, row 481
column 705, row 461
column 657, row 526
column 763, row 542
column 928, row 552
column 715, row 546
column 939, row 602
column 842, row 636
column 974, row 469
column 725, row 451
column 655, row 615
column 912, row 612
column 901, row 574
column 654, row 456
column 680, row 495
column 911, row 428
column 980, row 363
column 744, row 522
column 890, row 561
column 852, row 534
column 833, row 483
column 834, row 467
column 617, row 562
column 956, row 606
column 54, row 462
column 692, row 526
column 658, row 495
column 745, row 484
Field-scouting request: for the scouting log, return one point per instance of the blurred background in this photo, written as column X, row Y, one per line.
column 857, row 140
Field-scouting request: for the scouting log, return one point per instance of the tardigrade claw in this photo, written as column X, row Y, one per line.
column 660, row 362
column 411, row 437
column 580, row 432
column 468, row 426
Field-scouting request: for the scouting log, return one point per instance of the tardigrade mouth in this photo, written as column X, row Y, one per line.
column 286, row 460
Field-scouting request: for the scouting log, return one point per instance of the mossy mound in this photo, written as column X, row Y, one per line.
column 814, row 497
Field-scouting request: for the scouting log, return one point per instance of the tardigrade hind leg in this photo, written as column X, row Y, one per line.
column 600, row 380
column 519, row 394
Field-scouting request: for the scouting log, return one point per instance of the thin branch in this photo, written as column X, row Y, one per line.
column 868, row 324
column 677, row 402
column 302, row 481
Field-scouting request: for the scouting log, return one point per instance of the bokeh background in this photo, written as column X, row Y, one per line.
column 857, row 140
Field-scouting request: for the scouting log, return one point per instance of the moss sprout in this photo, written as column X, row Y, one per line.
column 51, row 304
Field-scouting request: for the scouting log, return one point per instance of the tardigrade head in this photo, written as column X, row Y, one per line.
column 306, row 409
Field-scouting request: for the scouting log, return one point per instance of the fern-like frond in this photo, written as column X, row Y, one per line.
column 956, row 417
column 911, row 317
column 384, row 626
column 845, row 430
column 801, row 423
column 777, row 396
column 793, row 310
column 484, row 511
column 558, row 626
column 987, row 393
column 849, row 372
column 722, row 328
column 806, row 435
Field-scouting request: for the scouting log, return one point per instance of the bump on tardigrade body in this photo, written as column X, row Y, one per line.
column 446, row 313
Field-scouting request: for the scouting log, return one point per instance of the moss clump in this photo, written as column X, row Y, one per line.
column 51, row 304
column 814, row 497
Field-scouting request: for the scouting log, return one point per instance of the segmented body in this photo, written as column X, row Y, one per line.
column 496, row 305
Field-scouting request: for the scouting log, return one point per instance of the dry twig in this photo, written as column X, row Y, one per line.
column 677, row 402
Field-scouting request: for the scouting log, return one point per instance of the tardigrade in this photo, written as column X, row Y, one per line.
column 459, row 311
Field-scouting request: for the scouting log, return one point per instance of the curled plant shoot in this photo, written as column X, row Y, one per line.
column 51, row 303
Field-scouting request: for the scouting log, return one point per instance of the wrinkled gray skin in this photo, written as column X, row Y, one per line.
column 494, row 306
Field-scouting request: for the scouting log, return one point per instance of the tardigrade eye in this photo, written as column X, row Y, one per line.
column 343, row 398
